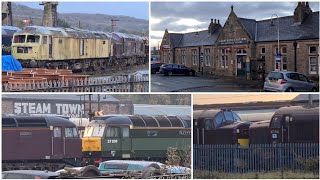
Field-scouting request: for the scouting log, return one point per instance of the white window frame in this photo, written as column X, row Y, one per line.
column 284, row 55
column 207, row 57
column 194, row 57
column 223, row 58
column 316, row 64
column 183, row 56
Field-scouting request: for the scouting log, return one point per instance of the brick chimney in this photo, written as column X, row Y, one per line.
column 213, row 26
column 301, row 12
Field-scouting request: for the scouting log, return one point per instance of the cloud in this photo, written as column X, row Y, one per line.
column 188, row 16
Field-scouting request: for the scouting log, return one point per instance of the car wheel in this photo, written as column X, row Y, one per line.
column 191, row 73
column 169, row 73
column 314, row 89
column 153, row 71
column 289, row 90
column 149, row 172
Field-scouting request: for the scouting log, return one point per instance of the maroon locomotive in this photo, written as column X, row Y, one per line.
column 39, row 142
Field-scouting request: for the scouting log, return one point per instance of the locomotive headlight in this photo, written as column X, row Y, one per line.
column 238, row 131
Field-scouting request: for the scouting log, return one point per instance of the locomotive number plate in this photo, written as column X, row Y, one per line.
column 112, row 141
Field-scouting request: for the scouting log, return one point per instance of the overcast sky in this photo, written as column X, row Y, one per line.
column 192, row 16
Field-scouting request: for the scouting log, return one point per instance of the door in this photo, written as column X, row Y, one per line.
column 126, row 142
column 57, row 143
column 112, row 143
column 241, row 63
column 50, row 46
column 72, row 143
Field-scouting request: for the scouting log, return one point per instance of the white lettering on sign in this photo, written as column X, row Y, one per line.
column 112, row 141
column 72, row 110
column 184, row 133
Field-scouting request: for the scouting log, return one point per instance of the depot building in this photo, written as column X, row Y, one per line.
column 245, row 47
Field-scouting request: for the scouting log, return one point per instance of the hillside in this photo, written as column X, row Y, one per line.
column 98, row 22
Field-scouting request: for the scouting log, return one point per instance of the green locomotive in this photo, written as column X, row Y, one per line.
column 134, row 137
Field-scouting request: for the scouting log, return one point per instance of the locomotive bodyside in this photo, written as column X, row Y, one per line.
column 134, row 137
column 7, row 34
column 39, row 139
column 295, row 125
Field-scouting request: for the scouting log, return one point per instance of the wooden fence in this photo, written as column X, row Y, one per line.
column 256, row 158
column 125, row 83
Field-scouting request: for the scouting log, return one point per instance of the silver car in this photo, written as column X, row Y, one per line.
column 287, row 81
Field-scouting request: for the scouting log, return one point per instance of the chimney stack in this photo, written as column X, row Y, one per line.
column 301, row 12
column 218, row 21
column 50, row 14
column 6, row 13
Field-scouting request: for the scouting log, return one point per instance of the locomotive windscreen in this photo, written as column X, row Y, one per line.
column 8, row 122
column 31, row 122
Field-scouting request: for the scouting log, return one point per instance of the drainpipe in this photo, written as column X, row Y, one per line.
column 199, row 58
column 295, row 55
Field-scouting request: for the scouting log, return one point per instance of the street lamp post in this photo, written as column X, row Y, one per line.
column 200, row 54
column 295, row 44
column 278, row 51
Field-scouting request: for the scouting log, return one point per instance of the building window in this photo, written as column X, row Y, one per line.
column 81, row 47
column 183, row 57
column 263, row 50
column 165, row 57
column 194, row 57
column 284, row 58
column 207, row 57
column 60, row 41
column 313, row 60
column 313, row 50
column 224, row 58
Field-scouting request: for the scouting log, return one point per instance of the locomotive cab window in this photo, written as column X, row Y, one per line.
column 228, row 116
column 208, row 124
column 88, row 131
column 112, row 132
column 276, row 122
column 44, row 39
column 33, row 39
column 57, row 132
column 98, row 131
column 219, row 119
column 19, row 38
column 71, row 132
column 125, row 131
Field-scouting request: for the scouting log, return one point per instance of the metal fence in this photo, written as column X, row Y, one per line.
column 256, row 158
column 126, row 83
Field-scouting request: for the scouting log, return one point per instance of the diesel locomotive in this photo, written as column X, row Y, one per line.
column 39, row 142
column 135, row 137
column 75, row 49
column 295, row 124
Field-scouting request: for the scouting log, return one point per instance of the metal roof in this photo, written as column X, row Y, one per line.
column 141, row 121
column 9, row 30
column 58, row 97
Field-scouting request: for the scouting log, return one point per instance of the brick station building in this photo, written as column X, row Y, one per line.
column 247, row 47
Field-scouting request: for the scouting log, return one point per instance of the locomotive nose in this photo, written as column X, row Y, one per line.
column 91, row 144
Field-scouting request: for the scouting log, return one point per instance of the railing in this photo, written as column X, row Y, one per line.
column 126, row 83
column 256, row 158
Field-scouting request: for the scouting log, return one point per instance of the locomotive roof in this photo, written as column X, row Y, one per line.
column 260, row 124
column 293, row 110
column 143, row 120
column 38, row 121
column 198, row 114
column 77, row 33
column 9, row 30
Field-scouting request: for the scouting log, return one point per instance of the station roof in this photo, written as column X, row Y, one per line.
column 263, row 30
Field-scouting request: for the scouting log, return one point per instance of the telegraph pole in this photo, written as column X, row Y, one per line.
column 113, row 24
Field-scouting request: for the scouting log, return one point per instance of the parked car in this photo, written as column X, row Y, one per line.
column 142, row 169
column 288, row 81
column 29, row 174
column 155, row 67
column 170, row 69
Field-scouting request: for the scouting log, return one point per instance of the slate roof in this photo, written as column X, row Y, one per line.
column 203, row 38
column 194, row 38
column 262, row 31
column 175, row 38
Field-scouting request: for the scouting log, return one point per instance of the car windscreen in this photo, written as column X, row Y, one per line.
column 275, row 76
